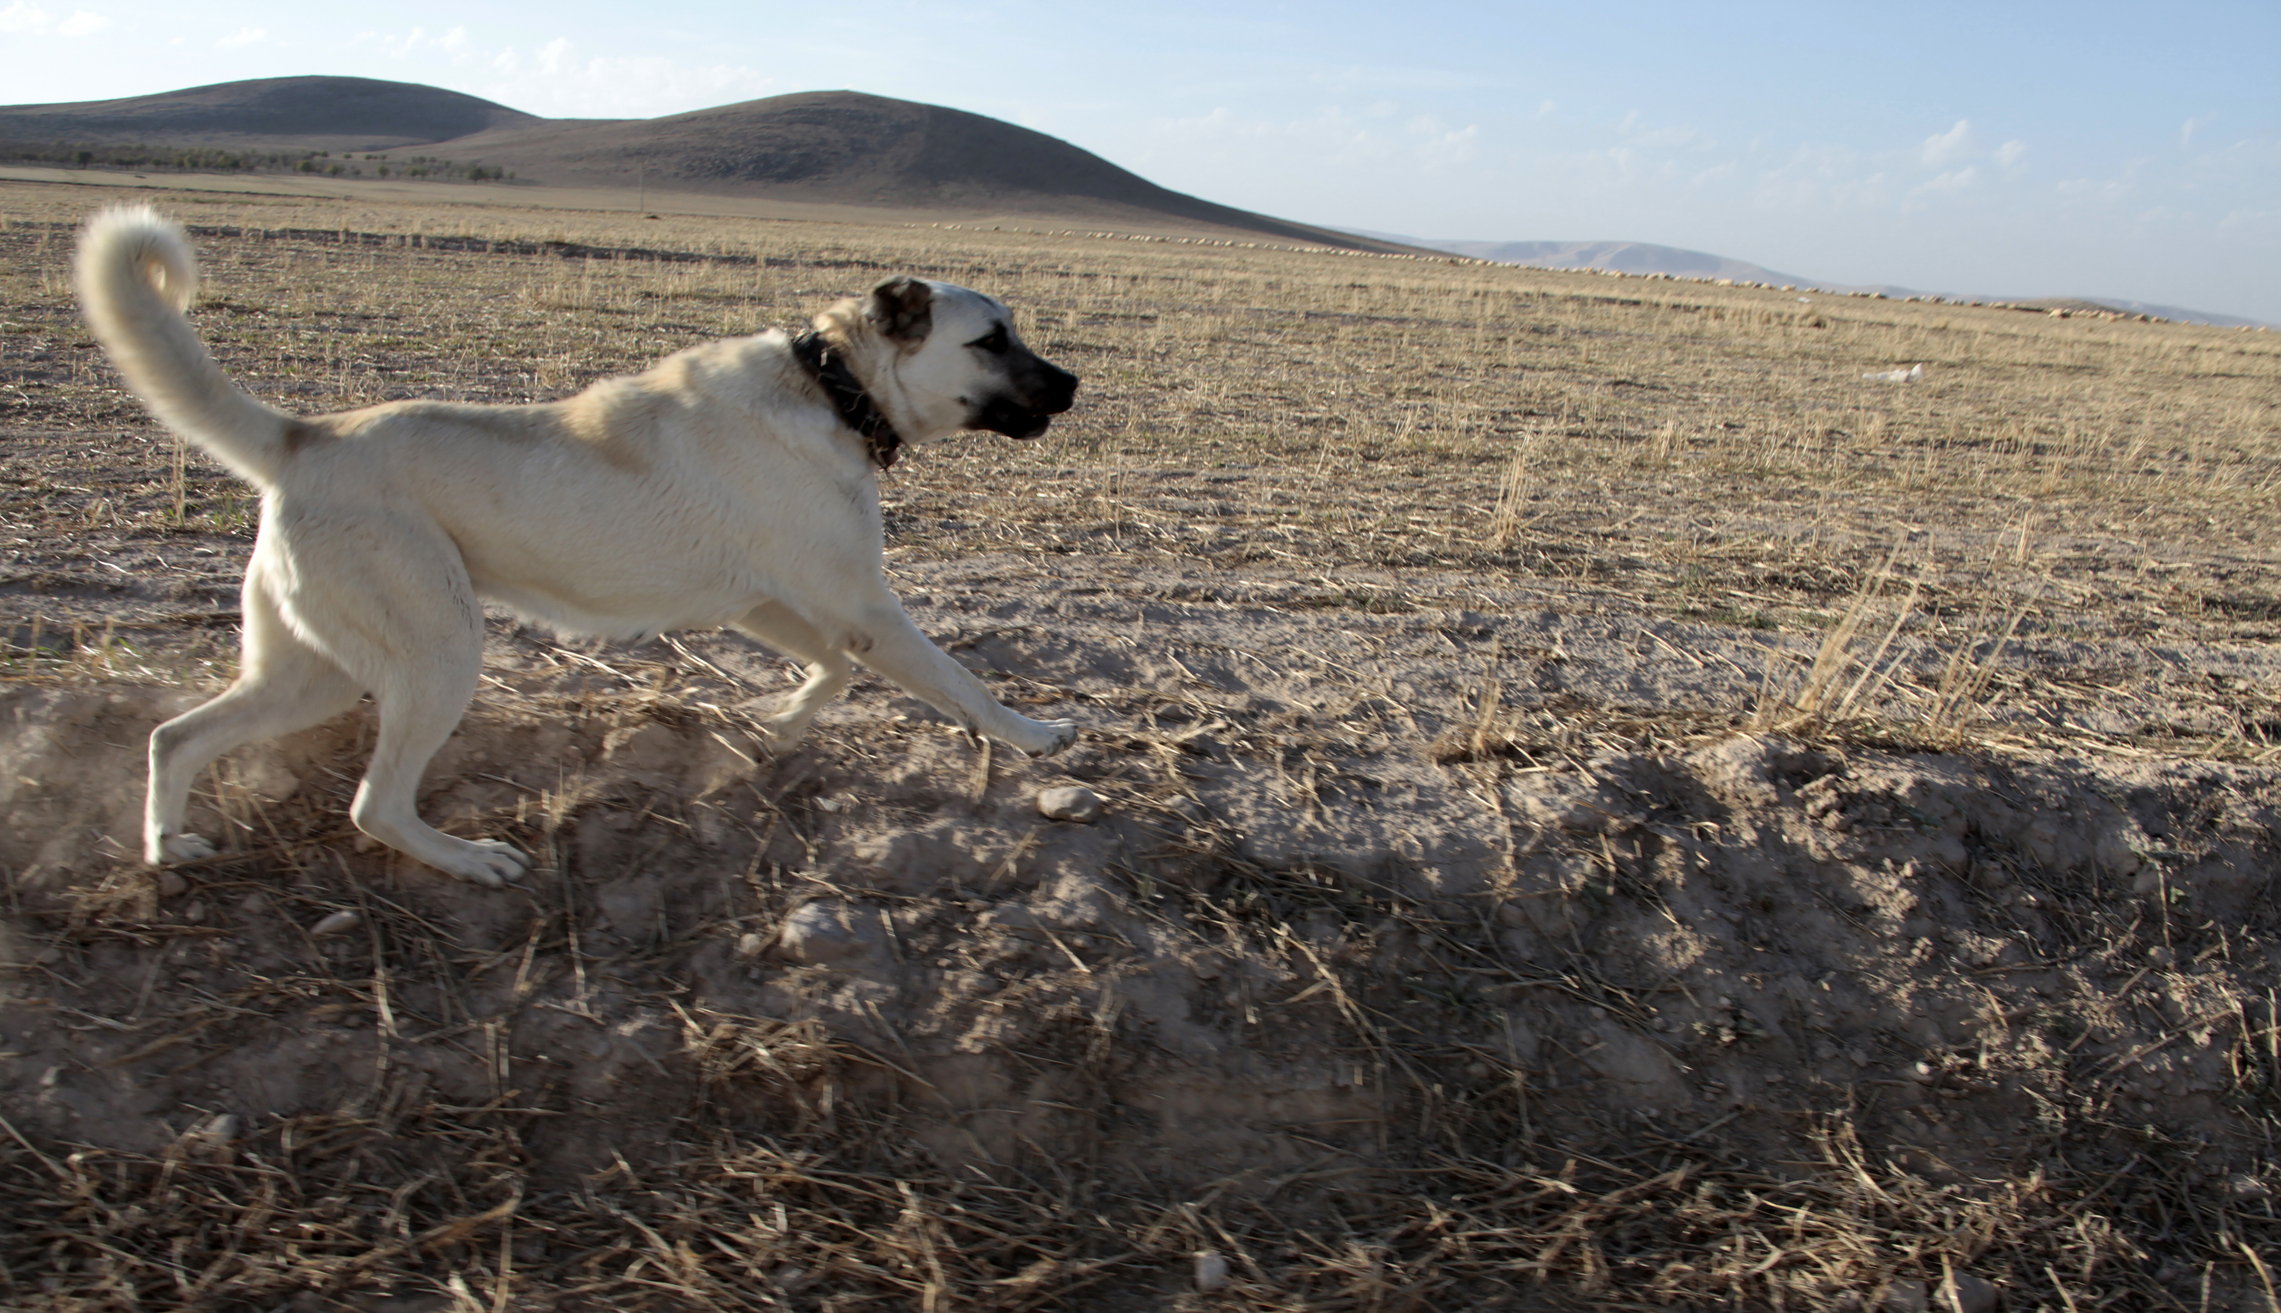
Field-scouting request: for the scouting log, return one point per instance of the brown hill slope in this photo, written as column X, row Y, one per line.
column 851, row 148
column 825, row 147
column 316, row 113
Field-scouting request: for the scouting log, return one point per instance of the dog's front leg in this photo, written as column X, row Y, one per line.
column 883, row 638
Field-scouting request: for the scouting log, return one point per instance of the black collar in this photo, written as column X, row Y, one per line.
column 856, row 409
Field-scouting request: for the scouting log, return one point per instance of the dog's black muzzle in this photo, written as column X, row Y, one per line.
column 1037, row 391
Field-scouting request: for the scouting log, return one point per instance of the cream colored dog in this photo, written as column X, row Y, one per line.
column 732, row 484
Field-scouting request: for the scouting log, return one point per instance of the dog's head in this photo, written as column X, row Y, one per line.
column 947, row 357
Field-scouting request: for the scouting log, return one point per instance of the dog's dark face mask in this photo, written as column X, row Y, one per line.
column 1027, row 390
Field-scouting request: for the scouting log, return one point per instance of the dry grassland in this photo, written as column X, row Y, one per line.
column 1977, row 669
column 1703, row 452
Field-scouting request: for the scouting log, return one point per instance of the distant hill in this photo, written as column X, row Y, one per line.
column 2178, row 313
column 837, row 147
column 1624, row 257
column 1647, row 258
column 317, row 113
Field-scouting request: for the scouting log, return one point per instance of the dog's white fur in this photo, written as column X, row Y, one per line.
column 717, row 488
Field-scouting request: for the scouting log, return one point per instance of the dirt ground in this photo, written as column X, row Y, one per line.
column 1602, row 807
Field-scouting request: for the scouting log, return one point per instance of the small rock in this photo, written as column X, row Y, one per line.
column 211, row 1139
column 790, row 1279
column 1070, row 802
column 828, row 933
column 1905, row 1297
column 1211, row 1271
column 336, row 923
column 751, row 943
column 1962, row 1292
column 2161, row 956
column 171, row 883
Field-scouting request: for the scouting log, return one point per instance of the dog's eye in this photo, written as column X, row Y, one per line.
column 995, row 341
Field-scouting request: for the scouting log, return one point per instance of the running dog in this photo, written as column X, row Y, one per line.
column 732, row 484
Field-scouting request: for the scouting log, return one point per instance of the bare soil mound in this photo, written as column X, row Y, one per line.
column 337, row 113
column 1356, row 984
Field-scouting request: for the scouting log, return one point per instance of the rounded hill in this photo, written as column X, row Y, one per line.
column 852, row 145
column 834, row 148
column 852, row 148
column 340, row 113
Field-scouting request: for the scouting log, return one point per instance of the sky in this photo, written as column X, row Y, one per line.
column 1993, row 149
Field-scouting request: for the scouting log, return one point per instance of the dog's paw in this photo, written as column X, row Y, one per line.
column 486, row 862
column 161, row 849
column 1048, row 737
column 781, row 734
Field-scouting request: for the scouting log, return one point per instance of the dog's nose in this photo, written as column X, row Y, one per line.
column 1059, row 392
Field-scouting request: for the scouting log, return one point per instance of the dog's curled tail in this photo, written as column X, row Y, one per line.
column 136, row 276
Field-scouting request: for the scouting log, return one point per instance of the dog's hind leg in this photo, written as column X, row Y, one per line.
column 420, row 704
column 405, row 621
column 416, row 717
column 829, row 669
column 283, row 685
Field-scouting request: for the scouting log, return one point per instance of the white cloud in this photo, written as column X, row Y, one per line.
column 2192, row 126
column 452, row 44
column 1822, row 180
column 1653, row 137
column 556, row 80
column 24, row 17
column 1440, row 145
column 1942, row 147
column 244, row 36
column 2011, row 151
column 1545, row 110
column 1953, row 180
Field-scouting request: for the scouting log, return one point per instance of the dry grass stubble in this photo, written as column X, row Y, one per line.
column 1958, row 969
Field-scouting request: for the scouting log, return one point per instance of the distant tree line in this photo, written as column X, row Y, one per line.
column 215, row 159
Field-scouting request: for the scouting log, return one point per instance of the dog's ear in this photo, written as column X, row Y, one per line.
column 903, row 309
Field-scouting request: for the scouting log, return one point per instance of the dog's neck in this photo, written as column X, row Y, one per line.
column 828, row 365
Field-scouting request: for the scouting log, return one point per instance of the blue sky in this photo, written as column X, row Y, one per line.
column 1999, row 149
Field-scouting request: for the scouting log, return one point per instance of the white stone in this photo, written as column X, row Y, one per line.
column 830, row 933
column 335, row 924
column 1070, row 802
column 1211, row 1271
